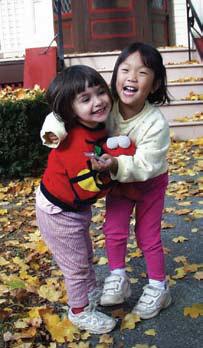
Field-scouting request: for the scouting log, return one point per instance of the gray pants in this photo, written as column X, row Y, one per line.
column 67, row 236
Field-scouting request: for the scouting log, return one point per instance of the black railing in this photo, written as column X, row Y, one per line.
column 60, row 48
column 195, row 27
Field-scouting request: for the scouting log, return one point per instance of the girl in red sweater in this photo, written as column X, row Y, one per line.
column 80, row 98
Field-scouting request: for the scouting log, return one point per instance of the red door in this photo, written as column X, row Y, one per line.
column 111, row 25
column 103, row 25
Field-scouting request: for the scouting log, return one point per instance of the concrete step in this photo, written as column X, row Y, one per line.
column 181, row 108
column 171, row 75
column 178, row 71
column 104, row 63
column 177, row 54
column 174, row 72
column 106, row 60
column 187, row 130
column 179, row 91
column 101, row 61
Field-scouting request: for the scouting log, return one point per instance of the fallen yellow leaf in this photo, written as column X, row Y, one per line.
column 49, row 292
column 182, row 259
column 150, row 332
column 166, row 225
column 129, row 321
column 198, row 275
column 61, row 330
column 133, row 280
column 197, row 213
column 3, row 211
column 99, row 218
column 102, row 261
column 195, row 311
column 180, row 273
column 137, row 253
column 183, row 211
column 179, row 239
column 106, row 339
column 194, row 230
column 3, row 261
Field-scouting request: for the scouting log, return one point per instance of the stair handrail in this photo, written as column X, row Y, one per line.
column 192, row 19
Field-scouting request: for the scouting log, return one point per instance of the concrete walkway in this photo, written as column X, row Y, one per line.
column 173, row 329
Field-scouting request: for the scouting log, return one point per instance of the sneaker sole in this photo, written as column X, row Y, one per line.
column 112, row 301
column 96, row 332
column 152, row 315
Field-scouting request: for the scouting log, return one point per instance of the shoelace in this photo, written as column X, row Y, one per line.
column 92, row 306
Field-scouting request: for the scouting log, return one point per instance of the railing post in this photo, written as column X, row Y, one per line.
column 60, row 48
column 188, row 30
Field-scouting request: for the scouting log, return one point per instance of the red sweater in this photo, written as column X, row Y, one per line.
column 69, row 181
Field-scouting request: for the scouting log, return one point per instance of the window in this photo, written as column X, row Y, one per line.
column 65, row 6
column 158, row 4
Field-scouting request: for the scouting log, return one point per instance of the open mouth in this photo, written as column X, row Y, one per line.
column 130, row 89
column 100, row 111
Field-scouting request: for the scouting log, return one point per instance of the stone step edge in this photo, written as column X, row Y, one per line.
column 182, row 102
column 186, row 124
column 112, row 53
column 183, row 66
column 175, row 49
column 186, row 83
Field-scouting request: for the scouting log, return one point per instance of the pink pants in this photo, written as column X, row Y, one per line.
column 67, row 236
column 149, row 201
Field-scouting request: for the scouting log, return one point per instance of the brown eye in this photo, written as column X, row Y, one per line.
column 101, row 91
column 85, row 100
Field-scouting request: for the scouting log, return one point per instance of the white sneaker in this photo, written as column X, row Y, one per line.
column 93, row 321
column 152, row 301
column 116, row 290
column 94, row 296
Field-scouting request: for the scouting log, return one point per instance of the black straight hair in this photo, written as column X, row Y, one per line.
column 63, row 90
column 152, row 59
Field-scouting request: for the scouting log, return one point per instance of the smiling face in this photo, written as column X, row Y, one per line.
column 134, row 83
column 92, row 106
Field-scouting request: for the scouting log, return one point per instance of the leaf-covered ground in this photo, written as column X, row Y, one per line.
column 32, row 295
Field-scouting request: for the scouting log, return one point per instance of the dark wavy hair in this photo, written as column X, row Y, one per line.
column 152, row 59
column 64, row 88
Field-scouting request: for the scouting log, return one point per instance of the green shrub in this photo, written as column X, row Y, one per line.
column 21, row 117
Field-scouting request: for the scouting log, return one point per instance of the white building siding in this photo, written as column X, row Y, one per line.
column 179, row 23
column 11, row 28
column 39, row 27
column 24, row 24
column 29, row 23
column 178, row 27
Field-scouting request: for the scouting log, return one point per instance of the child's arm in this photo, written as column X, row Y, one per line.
column 114, row 147
column 53, row 131
column 149, row 160
column 107, row 162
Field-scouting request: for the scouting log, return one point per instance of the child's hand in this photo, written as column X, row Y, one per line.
column 51, row 138
column 108, row 163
